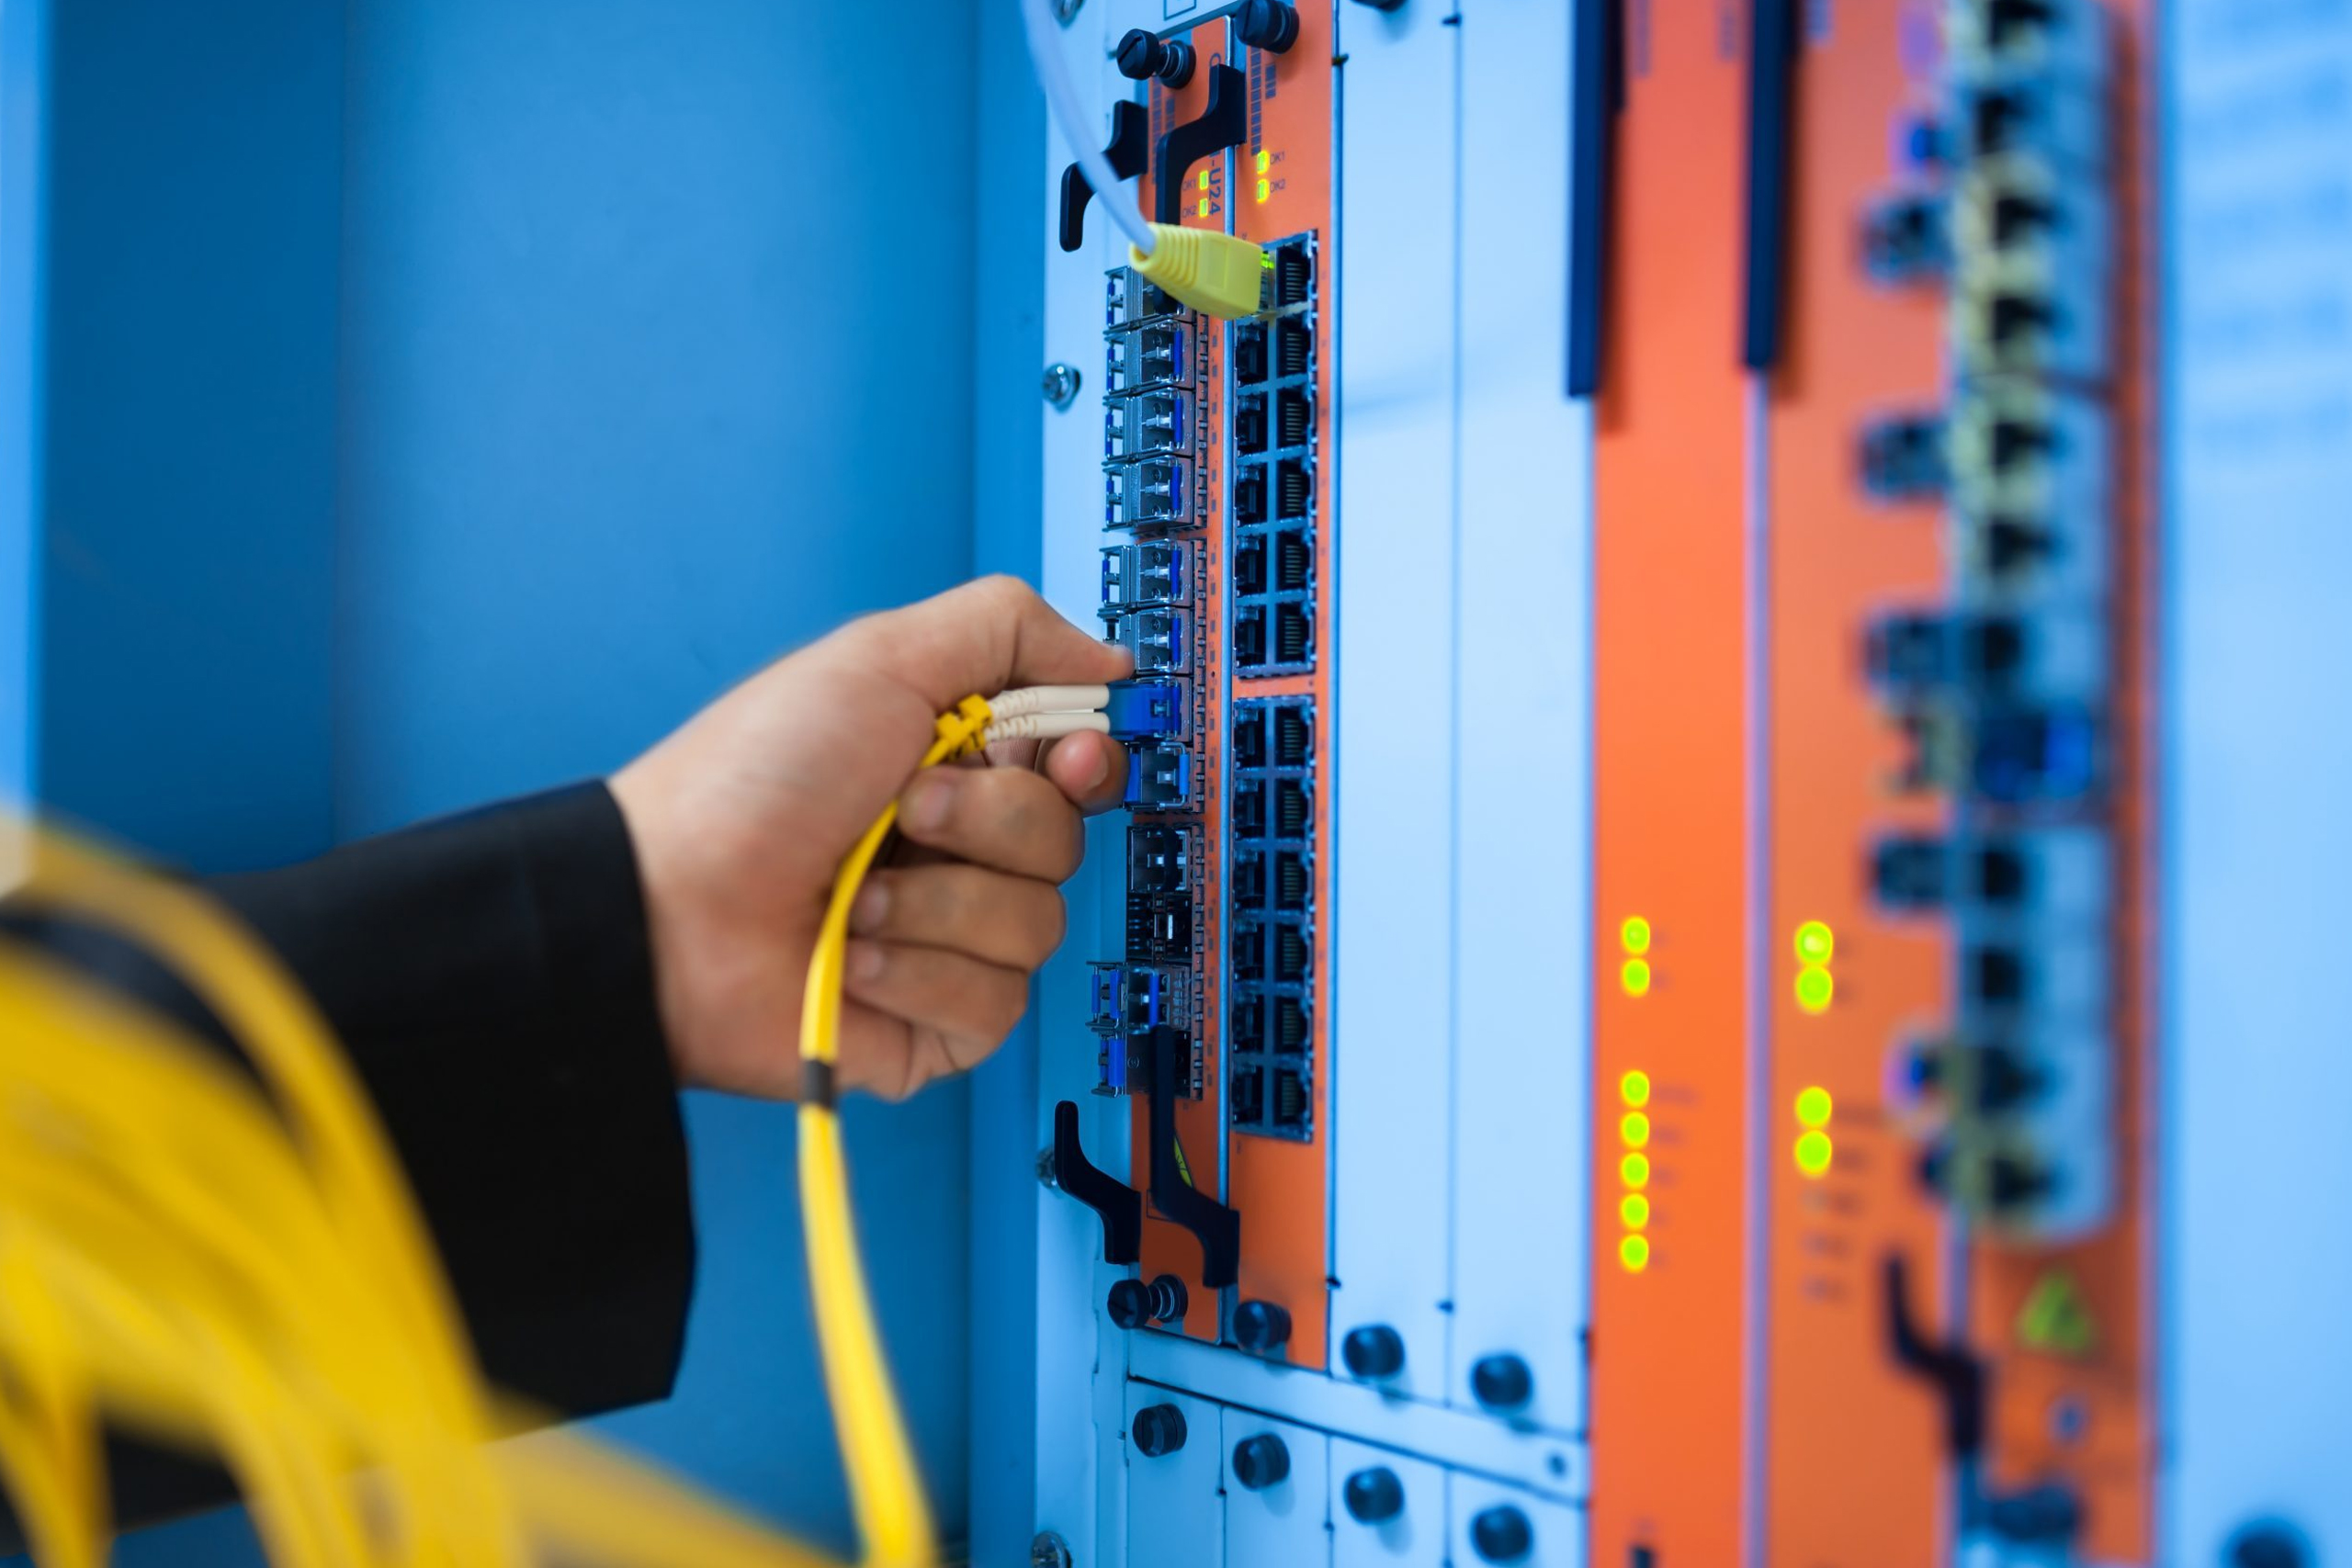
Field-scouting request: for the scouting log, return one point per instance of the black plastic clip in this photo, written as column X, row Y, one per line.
column 1958, row 1376
column 1119, row 1205
column 1214, row 1226
column 1225, row 123
column 1129, row 154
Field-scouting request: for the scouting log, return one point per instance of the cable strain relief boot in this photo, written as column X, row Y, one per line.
column 1217, row 274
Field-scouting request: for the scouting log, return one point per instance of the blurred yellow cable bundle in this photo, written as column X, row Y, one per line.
column 231, row 1263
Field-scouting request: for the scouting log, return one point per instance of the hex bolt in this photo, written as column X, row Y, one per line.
column 1051, row 1551
column 1062, row 383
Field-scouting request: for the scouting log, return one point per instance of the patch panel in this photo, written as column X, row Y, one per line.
column 1270, row 903
column 1272, row 500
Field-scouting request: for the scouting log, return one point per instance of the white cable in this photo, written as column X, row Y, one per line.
column 1049, row 699
column 1053, row 76
column 1045, row 725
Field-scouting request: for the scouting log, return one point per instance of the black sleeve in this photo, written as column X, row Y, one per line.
column 491, row 978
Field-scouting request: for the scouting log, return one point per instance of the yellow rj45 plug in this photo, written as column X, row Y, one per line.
column 1217, row 274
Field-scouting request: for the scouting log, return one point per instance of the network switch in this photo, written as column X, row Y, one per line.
column 1270, row 899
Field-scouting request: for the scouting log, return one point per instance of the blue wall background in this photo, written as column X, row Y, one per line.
column 444, row 398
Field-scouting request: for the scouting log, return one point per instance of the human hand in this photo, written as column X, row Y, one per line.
column 741, row 818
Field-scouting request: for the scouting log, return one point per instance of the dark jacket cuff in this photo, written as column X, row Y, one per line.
column 491, row 978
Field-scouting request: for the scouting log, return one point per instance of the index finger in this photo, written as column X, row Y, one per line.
column 985, row 637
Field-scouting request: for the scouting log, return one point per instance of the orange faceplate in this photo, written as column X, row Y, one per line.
column 1670, row 802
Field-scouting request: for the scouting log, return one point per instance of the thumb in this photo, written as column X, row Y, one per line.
column 984, row 636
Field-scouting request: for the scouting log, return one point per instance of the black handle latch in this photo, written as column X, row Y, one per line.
column 1129, row 154
column 1214, row 1226
column 1772, row 112
column 1954, row 1371
column 1118, row 1206
column 1599, row 86
column 1225, row 123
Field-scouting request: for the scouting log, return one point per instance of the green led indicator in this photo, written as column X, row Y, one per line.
column 1814, row 1107
column 1635, row 1129
column 1635, row 1087
column 1813, row 1152
column 1634, row 1209
column 1634, row 1252
column 1814, row 989
column 1635, row 934
column 1635, row 1170
column 1635, row 977
column 1816, row 943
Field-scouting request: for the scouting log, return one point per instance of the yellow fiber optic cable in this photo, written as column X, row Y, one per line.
column 237, row 1265
column 886, row 1490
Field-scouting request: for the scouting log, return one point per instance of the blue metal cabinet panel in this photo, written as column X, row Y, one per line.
column 1286, row 1525
column 1392, row 1056
column 23, row 116
column 1556, row 1533
column 1523, row 1059
column 1414, row 1537
column 1174, row 1507
column 2257, row 1246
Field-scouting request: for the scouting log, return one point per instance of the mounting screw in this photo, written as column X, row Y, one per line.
column 1135, row 1305
column 1048, row 1176
column 1502, row 1383
column 1142, row 55
column 1261, row 1327
column 1066, row 11
column 1373, row 1497
column 1501, row 1534
column 1372, row 1351
column 1158, row 1429
column 1051, row 1551
column 1269, row 25
column 1062, row 383
column 1261, row 1461
column 2268, row 1543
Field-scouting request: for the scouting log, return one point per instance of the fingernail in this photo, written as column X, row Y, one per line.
column 872, row 908
column 926, row 804
column 865, row 961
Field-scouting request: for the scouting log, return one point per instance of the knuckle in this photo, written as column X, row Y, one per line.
column 1004, row 591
